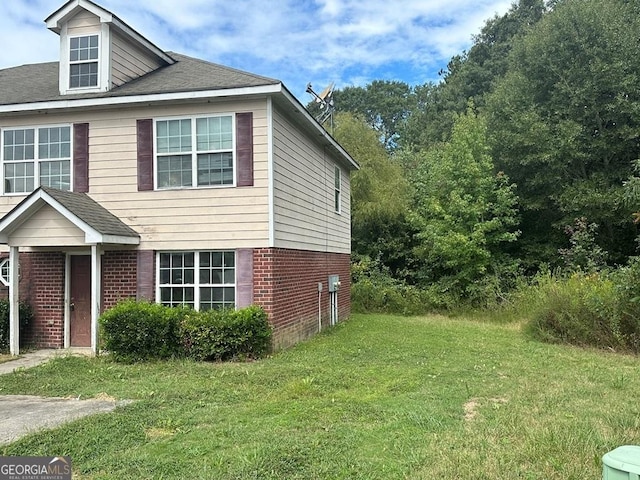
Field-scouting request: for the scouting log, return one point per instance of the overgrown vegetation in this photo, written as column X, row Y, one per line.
column 378, row 397
column 25, row 318
column 599, row 309
column 523, row 159
column 137, row 331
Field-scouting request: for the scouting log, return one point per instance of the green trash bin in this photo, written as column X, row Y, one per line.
column 623, row 463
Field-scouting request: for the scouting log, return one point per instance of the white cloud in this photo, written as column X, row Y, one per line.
column 297, row 41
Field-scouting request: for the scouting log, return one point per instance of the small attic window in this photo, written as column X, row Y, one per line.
column 83, row 61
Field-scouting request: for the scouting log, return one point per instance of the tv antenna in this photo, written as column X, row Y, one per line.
column 325, row 100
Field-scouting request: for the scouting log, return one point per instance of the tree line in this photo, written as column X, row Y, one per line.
column 521, row 158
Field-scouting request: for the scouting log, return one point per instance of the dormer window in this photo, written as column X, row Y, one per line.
column 83, row 61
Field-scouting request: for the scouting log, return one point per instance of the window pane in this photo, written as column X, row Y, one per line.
column 229, row 276
column 165, row 260
column 174, row 171
column 18, row 144
column 179, row 270
column 56, row 174
column 229, row 259
column 83, row 75
column 205, row 259
column 83, row 48
column 54, row 142
column 19, row 177
column 173, row 136
column 214, row 133
column 215, row 169
column 189, row 275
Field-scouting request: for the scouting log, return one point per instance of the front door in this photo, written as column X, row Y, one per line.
column 80, row 301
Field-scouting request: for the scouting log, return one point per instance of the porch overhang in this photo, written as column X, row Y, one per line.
column 100, row 227
column 91, row 226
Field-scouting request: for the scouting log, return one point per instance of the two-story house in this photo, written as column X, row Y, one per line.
column 131, row 172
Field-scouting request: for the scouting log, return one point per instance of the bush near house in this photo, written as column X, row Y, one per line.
column 134, row 331
column 226, row 334
column 26, row 317
column 137, row 331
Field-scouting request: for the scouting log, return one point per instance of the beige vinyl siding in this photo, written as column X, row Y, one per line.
column 204, row 218
column 129, row 61
column 305, row 217
column 47, row 228
column 83, row 23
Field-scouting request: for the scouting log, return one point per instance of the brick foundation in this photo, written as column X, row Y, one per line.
column 285, row 284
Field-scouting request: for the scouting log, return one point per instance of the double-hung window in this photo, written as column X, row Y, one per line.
column 83, row 61
column 32, row 157
column 337, row 190
column 202, row 280
column 195, row 152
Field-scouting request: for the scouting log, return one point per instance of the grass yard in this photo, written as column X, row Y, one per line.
column 379, row 397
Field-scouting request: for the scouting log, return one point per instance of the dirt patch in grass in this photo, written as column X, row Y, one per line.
column 472, row 406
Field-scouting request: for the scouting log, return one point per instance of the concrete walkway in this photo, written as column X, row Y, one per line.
column 33, row 359
column 24, row 414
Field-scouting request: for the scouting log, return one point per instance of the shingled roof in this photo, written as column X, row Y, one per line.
column 91, row 212
column 39, row 82
column 98, row 224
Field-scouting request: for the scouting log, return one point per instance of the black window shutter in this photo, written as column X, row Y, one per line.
column 145, row 284
column 145, row 154
column 81, row 157
column 244, row 149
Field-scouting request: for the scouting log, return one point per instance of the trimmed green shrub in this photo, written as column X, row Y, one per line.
column 226, row 334
column 133, row 331
column 26, row 317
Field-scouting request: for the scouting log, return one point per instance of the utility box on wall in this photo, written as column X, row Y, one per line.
column 623, row 463
column 334, row 283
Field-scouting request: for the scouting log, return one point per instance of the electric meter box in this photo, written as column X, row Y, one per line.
column 334, row 283
column 623, row 463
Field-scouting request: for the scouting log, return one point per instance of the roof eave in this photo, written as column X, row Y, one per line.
column 68, row 10
column 55, row 21
column 353, row 165
column 36, row 200
column 110, row 101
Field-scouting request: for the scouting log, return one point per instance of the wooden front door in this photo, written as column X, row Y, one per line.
column 80, row 301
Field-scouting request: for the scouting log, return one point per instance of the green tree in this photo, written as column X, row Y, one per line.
column 379, row 197
column 565, row 123
column 468, row 76
column 464, row 211
column 383, row 104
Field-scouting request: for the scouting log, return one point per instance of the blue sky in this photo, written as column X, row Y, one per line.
column 349, row 42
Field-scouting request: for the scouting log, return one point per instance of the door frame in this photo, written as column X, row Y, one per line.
column 95, row 253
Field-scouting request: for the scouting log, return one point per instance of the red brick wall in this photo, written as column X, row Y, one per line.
column 285, row 284
column 42, row 286
column 119, row 277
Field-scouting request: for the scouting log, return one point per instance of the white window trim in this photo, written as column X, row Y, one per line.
column 194, row 151
column 337, row 175
column 5, row 281
column 104, row 54
column 196, row 285
column 36, row 160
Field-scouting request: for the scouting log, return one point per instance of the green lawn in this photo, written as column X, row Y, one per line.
column 379, row 397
